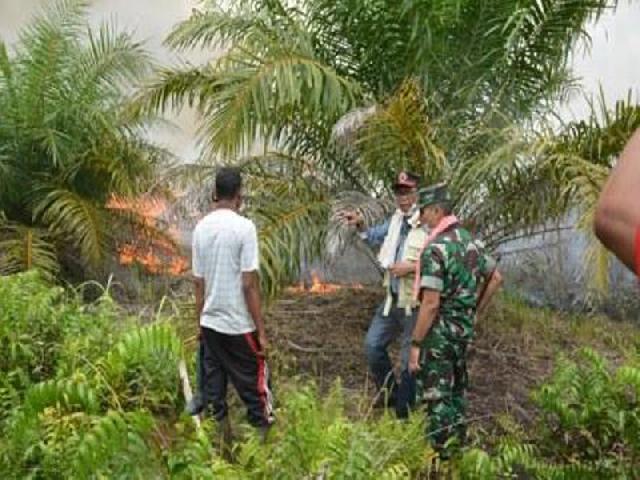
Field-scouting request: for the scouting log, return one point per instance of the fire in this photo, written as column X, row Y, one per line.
column 321, row 288
column 318, row 287
column 157, row 254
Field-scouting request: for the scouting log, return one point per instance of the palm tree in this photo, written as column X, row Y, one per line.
column 339, row 94
column 68, row 142
column 583, row 155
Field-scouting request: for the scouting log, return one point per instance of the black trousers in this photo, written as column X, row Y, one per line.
column 236, row 358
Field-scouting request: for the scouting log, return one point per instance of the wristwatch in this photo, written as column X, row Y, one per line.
column 416, row 343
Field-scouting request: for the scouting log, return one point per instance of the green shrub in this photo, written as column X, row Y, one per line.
column 45, row 331
column 588, row 427
column 141, row 371
column 87, row 393
column 79, row 385
column 591, row 415
column 31, row 329
column 315, row 439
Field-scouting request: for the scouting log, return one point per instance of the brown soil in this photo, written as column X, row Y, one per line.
column 322, row 338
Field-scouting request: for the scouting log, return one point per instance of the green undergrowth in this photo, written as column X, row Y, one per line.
column 545, row 332
column 89, row 392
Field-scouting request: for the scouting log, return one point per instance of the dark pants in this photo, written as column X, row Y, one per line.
column 236, row 358
column 200, row 368
column 382, row 332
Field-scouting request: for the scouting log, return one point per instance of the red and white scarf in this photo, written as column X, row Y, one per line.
column 444, row 224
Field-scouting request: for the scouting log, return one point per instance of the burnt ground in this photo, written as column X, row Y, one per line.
column 321, row 337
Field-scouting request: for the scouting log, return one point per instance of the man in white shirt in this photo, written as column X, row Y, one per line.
column 225, row 270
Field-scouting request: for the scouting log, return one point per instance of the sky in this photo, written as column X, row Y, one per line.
column 613, row 61
column 150, row 20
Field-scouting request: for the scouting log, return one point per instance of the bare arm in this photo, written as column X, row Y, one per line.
column 617, row 215
column 251, row 290
column 429, row 307
column 199, row 288
column 495, row 280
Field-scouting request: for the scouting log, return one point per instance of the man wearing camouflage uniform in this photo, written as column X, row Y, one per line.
column 452, row 267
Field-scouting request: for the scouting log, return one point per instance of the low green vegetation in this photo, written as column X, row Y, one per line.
column 88, row 392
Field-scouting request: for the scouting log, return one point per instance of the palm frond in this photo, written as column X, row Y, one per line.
column 77, row 219
column 583, row 156
column 25, row 248
column 257, row 95
column 291, row 218
column 111, row 60
column 174, row 88
column 214, row 28
column 116, row 441
column 400, row 136
column 340, row 236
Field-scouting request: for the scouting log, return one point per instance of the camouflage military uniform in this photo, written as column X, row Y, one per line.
column 454, row 264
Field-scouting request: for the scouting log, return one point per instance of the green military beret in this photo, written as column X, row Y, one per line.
column 438, row 193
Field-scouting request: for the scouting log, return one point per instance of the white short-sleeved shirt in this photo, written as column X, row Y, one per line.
column 225, row 244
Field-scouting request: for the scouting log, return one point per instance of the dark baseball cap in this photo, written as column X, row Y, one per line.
column 406, row 180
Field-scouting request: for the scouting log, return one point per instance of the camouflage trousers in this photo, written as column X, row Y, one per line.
column 441, row 384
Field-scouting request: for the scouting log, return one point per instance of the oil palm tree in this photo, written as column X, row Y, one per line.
column 67, row 140
column 583, row 155
column 338, row 95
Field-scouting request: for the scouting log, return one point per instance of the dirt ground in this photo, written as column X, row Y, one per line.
column 322, row 337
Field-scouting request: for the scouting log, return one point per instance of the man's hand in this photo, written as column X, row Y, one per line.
column 262, row 342
column 402, row 269
column 352, row 218
column 414, row 360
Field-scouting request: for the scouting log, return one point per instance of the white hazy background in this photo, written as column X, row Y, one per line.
column 612, row 62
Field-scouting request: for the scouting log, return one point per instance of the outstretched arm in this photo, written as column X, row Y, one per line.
column 374, row 236
column 617, row 218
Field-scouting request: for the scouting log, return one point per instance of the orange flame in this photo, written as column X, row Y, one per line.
column 319, row 287
column 323, row 288
column 157, row 255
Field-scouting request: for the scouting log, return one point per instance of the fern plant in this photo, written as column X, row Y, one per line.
column 591, row 414
column 317, row 439
column 141, row 371
column 588, row 427
column 65, row 363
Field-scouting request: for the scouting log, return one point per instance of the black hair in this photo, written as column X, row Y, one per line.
column 228, row 183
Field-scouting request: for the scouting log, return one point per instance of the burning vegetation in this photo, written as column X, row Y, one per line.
column 154, row 243
column 317, row 286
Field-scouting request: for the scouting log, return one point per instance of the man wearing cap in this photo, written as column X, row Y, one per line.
column 400, row 238
column 452, row 266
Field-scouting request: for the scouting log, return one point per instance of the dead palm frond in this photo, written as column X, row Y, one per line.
column 373, row 211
